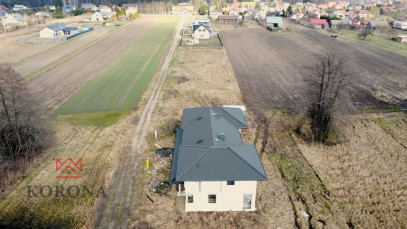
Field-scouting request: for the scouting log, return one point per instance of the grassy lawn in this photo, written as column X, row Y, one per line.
column 389, row 45
column 121, row 84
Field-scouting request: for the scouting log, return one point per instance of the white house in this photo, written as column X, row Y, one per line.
column 55, row 30
column 106, row 9
column 201, row 31
column 98, row 16
column 19, row 7
column 43, row 14
column 211, row 165
column 131, row 10
column 400, row 25
column 214, row 15
column 12, row 20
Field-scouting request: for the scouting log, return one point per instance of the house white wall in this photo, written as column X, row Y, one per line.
column 97, row 17
column 228, row 197
column 47, row 33
column 202, row 33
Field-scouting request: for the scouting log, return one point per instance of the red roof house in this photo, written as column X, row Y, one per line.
column 319, row 23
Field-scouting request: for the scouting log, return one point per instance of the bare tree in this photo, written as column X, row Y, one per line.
column 22, row 132
column 326, row 81
column 363, row 33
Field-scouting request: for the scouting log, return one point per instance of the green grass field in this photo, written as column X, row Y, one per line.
column 375, row 40
column 121, row 84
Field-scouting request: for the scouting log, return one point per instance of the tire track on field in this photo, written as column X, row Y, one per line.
column 117, row 211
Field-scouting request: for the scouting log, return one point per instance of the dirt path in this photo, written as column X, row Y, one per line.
column 114, row 213
column 57, row 84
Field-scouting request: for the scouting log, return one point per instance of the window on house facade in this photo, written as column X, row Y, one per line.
column 190, row 199
column 231, row 182
column 212, row 199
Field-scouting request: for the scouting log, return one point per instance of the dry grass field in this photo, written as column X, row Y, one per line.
column 202, row 77
column 358, row 182
column 270, row 68
column 366, row 175
column 13, row 52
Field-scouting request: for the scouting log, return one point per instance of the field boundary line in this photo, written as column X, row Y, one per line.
column 71, row 54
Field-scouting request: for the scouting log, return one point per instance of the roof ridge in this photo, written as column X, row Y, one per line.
column 222, row 108
column 202, row 109
column 212, row 131
column 192, row 164
column 249, row 163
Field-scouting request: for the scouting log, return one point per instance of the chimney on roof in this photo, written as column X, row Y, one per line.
column 217, row 115
column 221, row 137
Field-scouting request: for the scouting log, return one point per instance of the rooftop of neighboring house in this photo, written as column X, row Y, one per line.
column 57, row 27
column 228, row 17
column 197, row 26
column 127, row 5
column 274, row 19
column 378, row 23
column 208, row 147
column 319, row 21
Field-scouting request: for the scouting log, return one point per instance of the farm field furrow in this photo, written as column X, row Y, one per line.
column 42, row 59
column 54, row 86
column 120, row 85
column 270, row 68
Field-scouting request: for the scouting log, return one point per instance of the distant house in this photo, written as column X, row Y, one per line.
column 377, row 24
column 401, row 38
column 355, row 27
column 128, row 5
column 305, row 21
column 201, row 31
column 89, row 6
column 131, row 10
column 13, row 20
column 98, row 16
column 17, row 8
column 339, row 24
column 67, row 9
column 234, row 11
column 400, row 24
column 50, row 7
column 252, row 11
column 296, row 16
column 105, row 9
column 212, row 167
column 273, row 21
column 55, row 30
column 43, row 14
column 364, row 14
column 319, row 24
column 312, row 16
column 3, row 15
column 229, row 19
column 214, row 15
column 182, row 10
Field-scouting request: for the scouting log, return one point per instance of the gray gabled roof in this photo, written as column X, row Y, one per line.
column 208, row 147
column 374, row 24
column 57, row 27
